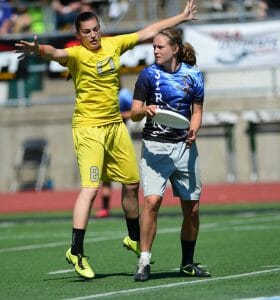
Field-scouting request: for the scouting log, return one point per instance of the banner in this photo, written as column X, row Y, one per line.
column 235, row 46
column 218, row 46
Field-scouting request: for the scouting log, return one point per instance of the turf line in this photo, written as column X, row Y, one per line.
column 262, row 298
column 170, row 285
column 56, row 244
column 61, row 272
column 204, row 227
column 89, row 240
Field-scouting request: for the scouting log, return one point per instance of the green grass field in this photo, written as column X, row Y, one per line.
column 239, row 245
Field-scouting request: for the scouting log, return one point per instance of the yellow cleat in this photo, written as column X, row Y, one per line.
column 134, row 246
column 81, row 264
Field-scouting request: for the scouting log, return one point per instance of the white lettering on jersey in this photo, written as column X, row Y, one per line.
column 158, row 95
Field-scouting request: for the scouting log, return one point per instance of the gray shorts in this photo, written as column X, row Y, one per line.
column 173, row 161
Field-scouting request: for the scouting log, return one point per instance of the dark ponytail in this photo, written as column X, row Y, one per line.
column 188, row 54
column 186, row 51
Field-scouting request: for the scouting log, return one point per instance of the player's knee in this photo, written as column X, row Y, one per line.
column 153, row 203
column 191, row 209
column 88, row 193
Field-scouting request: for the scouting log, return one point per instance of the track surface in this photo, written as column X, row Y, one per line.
column 212, row 194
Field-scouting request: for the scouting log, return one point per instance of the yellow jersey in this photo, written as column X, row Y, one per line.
column 95, row 74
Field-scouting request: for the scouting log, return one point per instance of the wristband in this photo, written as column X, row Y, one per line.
column 41, row 50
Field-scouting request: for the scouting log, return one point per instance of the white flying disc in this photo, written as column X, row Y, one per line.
column 171, row 119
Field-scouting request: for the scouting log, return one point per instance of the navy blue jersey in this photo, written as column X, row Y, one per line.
column 172, row 91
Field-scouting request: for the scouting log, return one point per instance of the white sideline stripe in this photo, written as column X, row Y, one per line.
column 89, row 240
column 170, row 285
column 255, row 220
column 49, row 245
column 205, row 227
column 32, row 247
column 262, row 298
column 61, row 272
column 34, row 236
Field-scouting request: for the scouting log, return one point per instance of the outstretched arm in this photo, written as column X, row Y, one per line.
column 47, row 52
column 153, row 29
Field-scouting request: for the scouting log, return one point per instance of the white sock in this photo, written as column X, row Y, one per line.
column 145, row 258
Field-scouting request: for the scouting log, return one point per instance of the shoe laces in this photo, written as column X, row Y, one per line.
column 198, row 269
column 196, row 265
column 141, row 268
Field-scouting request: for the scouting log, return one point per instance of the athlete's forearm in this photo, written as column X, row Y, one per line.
column 49, row 52
column 45, row 51
column 196, row 121
column 153, row 29
column 138, row 114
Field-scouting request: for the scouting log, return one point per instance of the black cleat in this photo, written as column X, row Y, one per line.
column 193, row 270
column 142, row 273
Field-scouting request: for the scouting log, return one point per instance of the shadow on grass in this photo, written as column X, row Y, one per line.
column 166, row 274
column 158, row 275
column 77, row 278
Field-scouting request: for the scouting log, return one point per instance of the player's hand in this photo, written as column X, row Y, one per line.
column 27, row 48
column 191, row 138
column 190, row 10
column 151, row 110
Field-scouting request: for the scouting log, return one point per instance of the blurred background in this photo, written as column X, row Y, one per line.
column 238, row 49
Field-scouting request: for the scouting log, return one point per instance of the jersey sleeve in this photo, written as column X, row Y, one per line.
column 72, row 54
column 198, row 95
column 126, row 41
column 142, row 87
